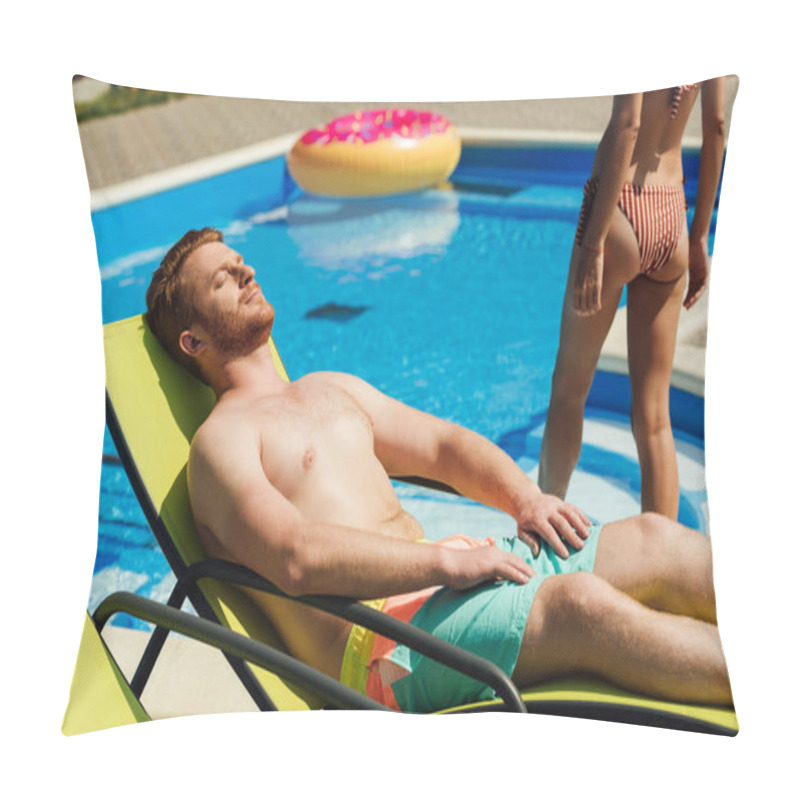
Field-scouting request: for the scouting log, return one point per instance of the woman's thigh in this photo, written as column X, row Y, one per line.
column 582, row 337
column 654, row 307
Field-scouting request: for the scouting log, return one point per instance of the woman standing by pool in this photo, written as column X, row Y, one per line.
column 632, row 232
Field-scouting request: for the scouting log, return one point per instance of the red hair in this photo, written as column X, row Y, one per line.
column 170, row 310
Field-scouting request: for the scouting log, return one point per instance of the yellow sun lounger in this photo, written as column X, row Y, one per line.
column 101, row 697
column 154, row 408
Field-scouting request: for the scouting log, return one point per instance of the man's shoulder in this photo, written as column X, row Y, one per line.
column 326, row 376
column 221, row 431
column 343, row 380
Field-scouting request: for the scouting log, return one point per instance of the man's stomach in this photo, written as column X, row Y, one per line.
column 312, row 636
column 316, row 637
column 366, row 502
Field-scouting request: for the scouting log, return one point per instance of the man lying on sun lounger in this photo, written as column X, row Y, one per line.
column 292, row 480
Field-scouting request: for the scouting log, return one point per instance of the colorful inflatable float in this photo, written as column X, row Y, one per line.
column 373, row 153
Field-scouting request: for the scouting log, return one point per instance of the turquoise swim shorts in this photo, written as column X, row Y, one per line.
column 488, row 621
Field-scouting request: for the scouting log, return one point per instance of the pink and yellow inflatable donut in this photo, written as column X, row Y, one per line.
column 371, row 153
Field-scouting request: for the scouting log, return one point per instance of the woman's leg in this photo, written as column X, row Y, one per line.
column 654, row 305
column 580, row 342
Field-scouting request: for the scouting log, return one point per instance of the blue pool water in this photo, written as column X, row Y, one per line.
column 448, row 300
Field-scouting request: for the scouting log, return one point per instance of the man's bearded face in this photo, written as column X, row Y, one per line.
column 237, row 332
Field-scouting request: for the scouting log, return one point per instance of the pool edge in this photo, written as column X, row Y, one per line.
column 155, row 182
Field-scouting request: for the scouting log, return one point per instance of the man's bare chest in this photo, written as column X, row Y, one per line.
column 313, row 428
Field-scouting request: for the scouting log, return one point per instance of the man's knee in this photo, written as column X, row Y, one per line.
column 638, row 539
column 669, row 549
column 650, row 541
column 665, row 543
column 654, row 559
column 656, row 529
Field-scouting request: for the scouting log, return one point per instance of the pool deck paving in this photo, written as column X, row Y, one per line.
column 191, row 678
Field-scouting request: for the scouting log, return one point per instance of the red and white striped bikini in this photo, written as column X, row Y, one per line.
column 657, row 213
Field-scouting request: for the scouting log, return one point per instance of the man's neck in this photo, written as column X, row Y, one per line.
column 252, row 374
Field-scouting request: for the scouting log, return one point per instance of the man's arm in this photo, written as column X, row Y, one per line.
column 411, row 442
column 232, row 498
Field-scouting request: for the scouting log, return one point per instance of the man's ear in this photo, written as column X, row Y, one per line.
column 190, row 344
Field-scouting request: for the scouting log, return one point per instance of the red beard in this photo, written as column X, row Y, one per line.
column 240, row 332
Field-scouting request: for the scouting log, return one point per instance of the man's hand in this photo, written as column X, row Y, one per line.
column 467, row 568
column 555, row 521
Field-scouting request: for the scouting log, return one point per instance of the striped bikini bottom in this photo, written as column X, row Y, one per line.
column 657, row 214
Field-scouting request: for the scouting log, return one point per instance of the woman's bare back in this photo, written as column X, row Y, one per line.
column 657, row 153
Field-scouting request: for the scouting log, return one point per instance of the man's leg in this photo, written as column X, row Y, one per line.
column 581, row 625
column 660, row 563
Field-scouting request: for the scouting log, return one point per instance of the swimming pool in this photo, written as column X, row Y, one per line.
column 448, row 300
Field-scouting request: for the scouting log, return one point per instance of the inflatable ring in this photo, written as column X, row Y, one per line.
column 372, row 153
